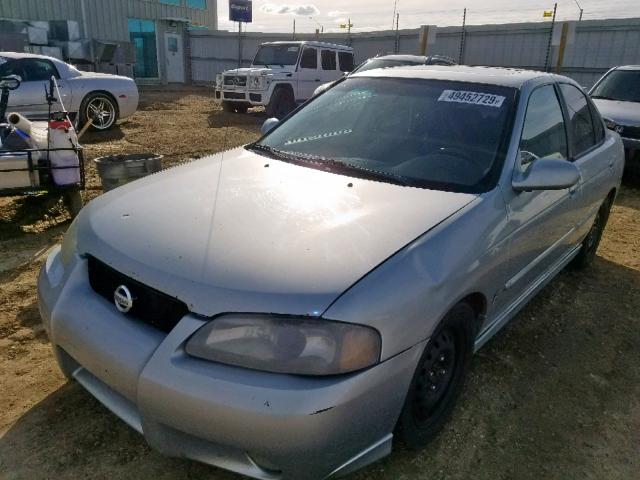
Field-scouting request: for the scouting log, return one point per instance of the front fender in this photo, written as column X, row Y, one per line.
column 407, row 296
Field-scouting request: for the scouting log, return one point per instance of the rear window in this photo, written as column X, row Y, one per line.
column 431, row 133
column 583, row 135
column 621, row 85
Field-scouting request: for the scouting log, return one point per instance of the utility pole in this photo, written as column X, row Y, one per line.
column 553, row 22
column 294, row 28
column 563, row 46
column 393, row 19
column 239, row 44
column 318, row 23
column 348, row 31
column 396, row 48
column 462, row 37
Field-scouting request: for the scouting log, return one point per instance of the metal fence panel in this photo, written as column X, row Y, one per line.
column 599, row 45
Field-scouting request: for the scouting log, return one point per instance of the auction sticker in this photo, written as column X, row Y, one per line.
column 474, row 98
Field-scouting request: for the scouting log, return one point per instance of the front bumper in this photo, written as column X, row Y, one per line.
column 250, row 97
column 263, row 425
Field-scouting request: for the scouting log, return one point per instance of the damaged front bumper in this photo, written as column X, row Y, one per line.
column 264, row 425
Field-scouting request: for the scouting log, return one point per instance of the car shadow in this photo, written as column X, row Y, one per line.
column 220, row 119
column 111, row 135
column 553, row 395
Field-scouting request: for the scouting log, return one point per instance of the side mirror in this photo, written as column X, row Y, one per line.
column 10, row 82
column 268, row 125
column 546, row 174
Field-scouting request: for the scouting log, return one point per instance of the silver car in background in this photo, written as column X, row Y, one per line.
column 391, row 61
column 289, row 309
column 617, row 96
column 102, row 97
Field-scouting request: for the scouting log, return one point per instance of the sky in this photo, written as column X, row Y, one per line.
column 369, row 15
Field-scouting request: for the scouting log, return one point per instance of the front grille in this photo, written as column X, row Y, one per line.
column 237, row 80
column 234, row 95
column 149, row 305
column 631, row 132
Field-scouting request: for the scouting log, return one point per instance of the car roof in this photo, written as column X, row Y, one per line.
column 628, row 67
column 14, row 55
column 416, row 58
column 311, row 43
column 508, row 77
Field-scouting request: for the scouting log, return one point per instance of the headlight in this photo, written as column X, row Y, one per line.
column 257, row 82
column 69, row 243
column 291, row 345
column 219, row 80
column 611, row 125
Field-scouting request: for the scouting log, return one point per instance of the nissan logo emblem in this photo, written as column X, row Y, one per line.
column 123, row 299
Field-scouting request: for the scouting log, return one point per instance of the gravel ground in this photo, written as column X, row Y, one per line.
column 555, row 395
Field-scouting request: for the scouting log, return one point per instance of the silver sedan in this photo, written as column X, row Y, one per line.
column 291, row 308
column 103, row 98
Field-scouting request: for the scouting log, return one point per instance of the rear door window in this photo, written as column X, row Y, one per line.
column 309, row 58
column 581, row 127
column 328, row 60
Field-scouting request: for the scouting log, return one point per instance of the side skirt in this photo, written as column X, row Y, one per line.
column 524, row 298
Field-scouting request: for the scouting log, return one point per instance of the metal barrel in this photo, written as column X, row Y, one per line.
column 116, row 170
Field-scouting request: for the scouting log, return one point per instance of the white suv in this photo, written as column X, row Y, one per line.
column 282, row 74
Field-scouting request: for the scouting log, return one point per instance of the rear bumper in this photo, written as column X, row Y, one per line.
column 263, row 425
column 631, row 143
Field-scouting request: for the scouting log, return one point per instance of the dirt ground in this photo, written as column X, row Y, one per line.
column 555, row 395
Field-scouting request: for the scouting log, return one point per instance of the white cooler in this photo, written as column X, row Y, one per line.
column 20, row 179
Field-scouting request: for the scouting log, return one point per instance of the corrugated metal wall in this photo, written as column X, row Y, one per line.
column 599, row 45
column 106, row 19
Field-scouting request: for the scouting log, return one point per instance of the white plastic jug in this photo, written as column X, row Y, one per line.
column 63, row 135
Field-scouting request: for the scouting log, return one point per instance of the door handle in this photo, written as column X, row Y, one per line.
column 317, row 80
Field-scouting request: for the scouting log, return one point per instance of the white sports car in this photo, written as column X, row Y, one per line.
column 101, row 97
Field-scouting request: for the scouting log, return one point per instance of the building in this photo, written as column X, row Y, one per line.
column 156, row 30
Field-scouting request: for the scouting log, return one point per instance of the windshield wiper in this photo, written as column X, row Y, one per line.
column 603, row 97
column 331, row 164
column 362, row 172
column 269, row 151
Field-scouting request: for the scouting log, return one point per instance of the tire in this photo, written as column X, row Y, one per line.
column 235, row 107
column 587, row 252
column 439, row 378
column 101, row 108
column 73, row 202
column 281, row 103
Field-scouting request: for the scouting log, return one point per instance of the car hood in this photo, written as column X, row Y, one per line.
column 624, row 113
column 241, row 232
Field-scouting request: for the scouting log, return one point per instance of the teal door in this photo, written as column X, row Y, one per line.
column 143, row 37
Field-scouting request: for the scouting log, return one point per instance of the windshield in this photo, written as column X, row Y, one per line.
column 619, row 85
column 286, row 54
column 384, row 63
column 425, row 133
